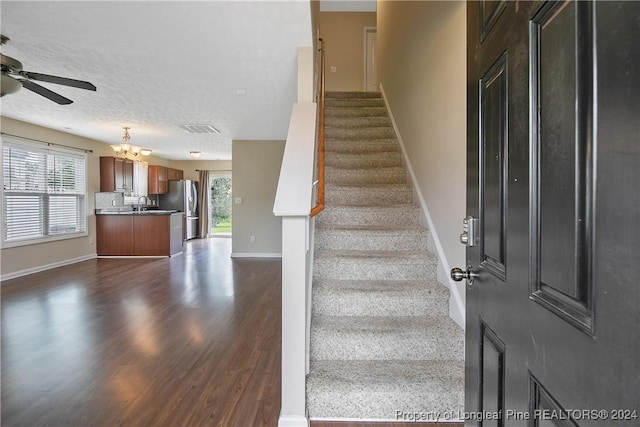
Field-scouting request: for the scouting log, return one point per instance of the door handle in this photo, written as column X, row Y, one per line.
column 458, row 275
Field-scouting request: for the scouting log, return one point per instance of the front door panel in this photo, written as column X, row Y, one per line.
column 562, row 150
column 553, row 316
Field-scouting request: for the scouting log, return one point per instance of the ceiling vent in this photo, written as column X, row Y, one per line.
column 198, row 129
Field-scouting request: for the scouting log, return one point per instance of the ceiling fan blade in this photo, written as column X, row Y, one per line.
column 45, row 92
column 58, row 80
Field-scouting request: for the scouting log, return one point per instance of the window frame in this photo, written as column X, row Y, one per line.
column 52, row 149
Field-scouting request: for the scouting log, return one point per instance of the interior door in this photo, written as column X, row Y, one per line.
column 370, row 64
column 553, row 313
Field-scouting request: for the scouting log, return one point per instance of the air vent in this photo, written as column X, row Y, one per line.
column 198, row 129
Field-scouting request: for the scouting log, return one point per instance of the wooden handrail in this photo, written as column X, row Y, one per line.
column 320, row 199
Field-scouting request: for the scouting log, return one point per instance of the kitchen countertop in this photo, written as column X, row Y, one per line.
column 131, row 212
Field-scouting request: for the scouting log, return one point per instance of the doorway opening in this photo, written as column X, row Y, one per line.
column 220, row 211
column 370, row 72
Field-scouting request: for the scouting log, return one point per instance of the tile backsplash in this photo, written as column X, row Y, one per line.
column 109, row 200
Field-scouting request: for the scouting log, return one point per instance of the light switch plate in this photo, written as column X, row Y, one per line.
column 238, row 200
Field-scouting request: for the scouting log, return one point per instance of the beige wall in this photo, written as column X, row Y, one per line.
column 189, row 166
column 30, row 257
column 422, row 70
column 343, row 34
column 256, row 168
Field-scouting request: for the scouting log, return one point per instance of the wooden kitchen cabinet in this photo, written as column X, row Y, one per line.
column 152, row 235
column 114, row 235
column 116, row 174
column 175, row 174
column 158, row 179
column 139, row 235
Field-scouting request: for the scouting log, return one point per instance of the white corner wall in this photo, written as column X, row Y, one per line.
column 422, row 70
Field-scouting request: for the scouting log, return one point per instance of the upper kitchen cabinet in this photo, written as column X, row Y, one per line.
column 116, row 174
column 175, row 174
column 158, row 179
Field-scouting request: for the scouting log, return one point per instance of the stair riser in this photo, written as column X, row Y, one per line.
column 360, row 160
column 326, row 402
column 343, row 303
column 381, row 132
column 331, row 112
column 373, row 102
column 373, row 269
column 340, row 345
column 337, row 145
column 357, row 122
column 361, row 240
column 366, row 196
column 351, row 95
column 365, row 177
column 365, row 216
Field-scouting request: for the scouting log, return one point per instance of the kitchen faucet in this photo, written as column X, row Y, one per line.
column 140, row 204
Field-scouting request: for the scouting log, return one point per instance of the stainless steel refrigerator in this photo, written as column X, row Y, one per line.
column 183, row 196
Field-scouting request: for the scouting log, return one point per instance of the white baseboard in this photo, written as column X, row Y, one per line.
column 46, row 267
column 376, row 420
column 456, row 304
column 255, row 255
column 292, row 421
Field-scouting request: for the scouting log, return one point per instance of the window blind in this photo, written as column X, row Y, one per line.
column 44, row 194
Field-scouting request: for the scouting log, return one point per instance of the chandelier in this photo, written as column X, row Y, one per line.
column 125, row 147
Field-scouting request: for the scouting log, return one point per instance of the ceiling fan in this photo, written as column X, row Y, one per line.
column 13, row 78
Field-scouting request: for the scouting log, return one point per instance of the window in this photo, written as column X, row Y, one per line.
column 44, row 194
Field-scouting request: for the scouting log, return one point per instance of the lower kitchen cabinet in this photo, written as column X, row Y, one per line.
column 114, row 235
column 139, row 235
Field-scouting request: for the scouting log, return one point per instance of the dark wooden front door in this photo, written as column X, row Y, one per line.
column 553, row 316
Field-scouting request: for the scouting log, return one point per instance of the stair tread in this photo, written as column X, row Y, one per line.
column 416, row 255
column 397, row 206
column 373, row 168
column 382, row 285
column 369, row 186
column 372, row 228
column 333, row 156
column 349, row 94
column 406, row 325
column 375, row 390
column 347, row 141
column 341, row 337
column 379, row 298
column 376, row 373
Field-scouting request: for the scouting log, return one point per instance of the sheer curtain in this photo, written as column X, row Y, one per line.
column 140, row 178
column 204, row 197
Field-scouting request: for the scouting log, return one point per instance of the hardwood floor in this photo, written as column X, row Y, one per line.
column 192, row 340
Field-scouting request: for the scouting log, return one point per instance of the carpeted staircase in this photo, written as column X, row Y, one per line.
column 381, row 337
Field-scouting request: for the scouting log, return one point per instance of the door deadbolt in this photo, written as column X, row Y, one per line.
column 469, row 236
column 458, row 275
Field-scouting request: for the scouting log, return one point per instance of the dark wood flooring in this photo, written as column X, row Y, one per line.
column 192, row 340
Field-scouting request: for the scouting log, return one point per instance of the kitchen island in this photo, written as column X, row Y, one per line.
column 145, row 233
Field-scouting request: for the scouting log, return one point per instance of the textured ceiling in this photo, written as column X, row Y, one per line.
column 158, row 64
column 348, row 5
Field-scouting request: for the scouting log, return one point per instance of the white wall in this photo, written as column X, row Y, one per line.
column 422, row 70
